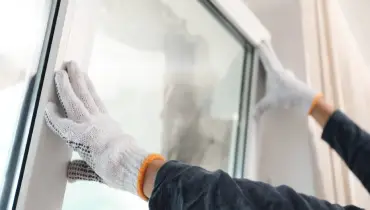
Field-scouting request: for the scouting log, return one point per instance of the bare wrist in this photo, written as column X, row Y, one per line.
column 321, row 112
column 150, row 176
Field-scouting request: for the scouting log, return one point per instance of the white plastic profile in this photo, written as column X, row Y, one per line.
column 238, row 13
column 244, row 19
column 253, row 146
column 43, row 183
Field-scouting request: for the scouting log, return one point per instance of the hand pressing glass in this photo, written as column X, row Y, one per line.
column 283, row 89
column 109, row 155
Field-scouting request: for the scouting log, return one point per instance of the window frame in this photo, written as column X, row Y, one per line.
column 43, row 180
column 238, row 19
column 26, row 179
column 252, row 147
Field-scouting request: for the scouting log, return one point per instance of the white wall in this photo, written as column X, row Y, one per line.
column 358, row 17
column 285, row 138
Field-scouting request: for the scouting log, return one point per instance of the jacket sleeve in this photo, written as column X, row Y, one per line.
column 181, row 186
column 352, row 143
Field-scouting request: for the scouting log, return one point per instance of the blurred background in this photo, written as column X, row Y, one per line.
column 172, row 74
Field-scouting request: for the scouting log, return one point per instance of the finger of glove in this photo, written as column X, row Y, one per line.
column 78, row 83
column 99, row 103
column 269, row 59
column 79, row 170
column 66, row 129
column 73, row 106
column 63, row 127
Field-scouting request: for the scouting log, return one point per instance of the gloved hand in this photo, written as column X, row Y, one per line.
column 89, row 130
column 283, row 89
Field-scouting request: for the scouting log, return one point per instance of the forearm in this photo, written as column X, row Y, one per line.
column 181, row 186
column 350, row 141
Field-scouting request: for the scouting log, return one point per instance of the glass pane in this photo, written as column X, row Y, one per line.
column 169, row 72
column 23, row 24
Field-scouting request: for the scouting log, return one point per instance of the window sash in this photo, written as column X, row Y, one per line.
column 45, row 157
column 26, row 184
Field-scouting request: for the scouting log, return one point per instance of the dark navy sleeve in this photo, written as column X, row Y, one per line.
column 352, row 143
column 179, row 186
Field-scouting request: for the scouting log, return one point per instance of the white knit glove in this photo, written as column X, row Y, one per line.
column 283, row 89
column 89, row 130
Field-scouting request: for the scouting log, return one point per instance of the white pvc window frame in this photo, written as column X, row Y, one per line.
column 36, row 183
column 42, row 179
column 238, row 13
column 249, row 30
